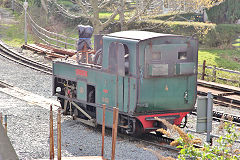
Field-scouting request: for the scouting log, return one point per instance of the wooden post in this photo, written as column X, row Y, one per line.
column 59, row 133
column 86, row 53
column 5, row 119
column 114, row 131
column 214, row 74
column 51, row 135
column 65, row 43
column 103, row 129
column 57, row 40
column 1, row 118
column 203, row 71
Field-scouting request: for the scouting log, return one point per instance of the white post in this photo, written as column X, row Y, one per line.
column 25, row 5
column 209, row 116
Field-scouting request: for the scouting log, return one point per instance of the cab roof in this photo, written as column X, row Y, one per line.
column 138, row 35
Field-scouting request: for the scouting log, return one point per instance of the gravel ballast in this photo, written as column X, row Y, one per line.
column 28, row 125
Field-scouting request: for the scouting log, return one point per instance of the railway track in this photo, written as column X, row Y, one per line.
column 223, row 95
column 146, row 139
column 27, row 96
column 150, row 139
column 17, row 58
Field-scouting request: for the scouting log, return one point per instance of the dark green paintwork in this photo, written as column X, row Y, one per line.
column 167, row 93
column 160, row 93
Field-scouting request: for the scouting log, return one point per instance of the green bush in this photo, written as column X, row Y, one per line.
column 225, row 148
column 226, row 12
column 223, row 35
column 181, row 17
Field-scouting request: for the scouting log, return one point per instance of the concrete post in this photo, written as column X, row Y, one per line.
column 209, row 116
column 25, row 5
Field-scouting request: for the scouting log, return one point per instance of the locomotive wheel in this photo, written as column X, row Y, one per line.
column 75, row 113
column 139, row 131
column 183, row 122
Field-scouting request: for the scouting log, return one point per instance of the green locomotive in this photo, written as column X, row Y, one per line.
column 144, row 74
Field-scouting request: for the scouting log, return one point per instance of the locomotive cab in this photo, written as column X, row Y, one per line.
column 144, row 74
column 163, row 68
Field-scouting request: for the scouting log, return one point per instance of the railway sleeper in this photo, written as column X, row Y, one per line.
column 229, row 117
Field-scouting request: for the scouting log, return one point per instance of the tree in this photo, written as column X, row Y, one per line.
column 44, row 6
column 226, row 12
column 191, row 5
column 92, row 8
column 140, row 9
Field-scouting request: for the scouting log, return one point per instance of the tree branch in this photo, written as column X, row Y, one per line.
column 138, row 14
column 115, row 13
column 104, row 4
column 84, row 8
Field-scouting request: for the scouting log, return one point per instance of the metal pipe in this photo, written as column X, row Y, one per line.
column 59, row 133
column 5, row 119
column 103, row 129
column 51, row 134
column 113, row 128
column 1, row 118
column 114, row 131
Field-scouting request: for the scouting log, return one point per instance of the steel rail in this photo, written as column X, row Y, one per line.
column 219, row 87
column 228, row 96
column 14, row 56
column 221, row 100
column 17, row 58
column 147, row 139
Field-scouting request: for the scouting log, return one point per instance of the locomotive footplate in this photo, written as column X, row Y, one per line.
column 150, row 123
column 172, row 117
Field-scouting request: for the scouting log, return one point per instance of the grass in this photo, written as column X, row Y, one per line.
column 236, row 43
column 228, row 58
column 106, row 15
column 13, row 35
column 12, row 32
